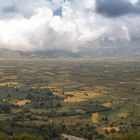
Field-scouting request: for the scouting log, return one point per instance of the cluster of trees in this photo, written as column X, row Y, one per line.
column 131, row 135
column 5, row 108
column 22, row 136
column 13, row 131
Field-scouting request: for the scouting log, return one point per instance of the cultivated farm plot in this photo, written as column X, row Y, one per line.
column 22, row 102
column 80, row 96
column 95, row 117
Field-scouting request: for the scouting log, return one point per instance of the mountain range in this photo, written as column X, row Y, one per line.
column 103, row 47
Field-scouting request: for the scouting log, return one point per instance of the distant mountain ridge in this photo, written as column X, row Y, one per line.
column 103, row 47
column 7, row 53
column 45, row 53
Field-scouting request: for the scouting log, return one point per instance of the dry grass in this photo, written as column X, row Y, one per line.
column 22, row 102
column 107, row 104
column 73, row 100
column 17, row 102
column 80, row 96
column 123, row 114
column 10, row 84
column 95, row 117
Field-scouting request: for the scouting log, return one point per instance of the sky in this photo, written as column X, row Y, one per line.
column 33, row 25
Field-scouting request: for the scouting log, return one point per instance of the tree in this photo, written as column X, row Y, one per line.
column 6, row 108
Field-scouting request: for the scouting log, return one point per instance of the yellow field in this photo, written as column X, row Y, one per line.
column 73, row 100
column 22, row 102
column 107, row 104
column 123, row 114
column 17, row 102
column 10, row 84
column 80, row 96
column 95, row 117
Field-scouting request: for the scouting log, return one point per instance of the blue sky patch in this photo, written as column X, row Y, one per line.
column 58, row 12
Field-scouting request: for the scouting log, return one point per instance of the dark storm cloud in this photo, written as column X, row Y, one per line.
column 115, row 8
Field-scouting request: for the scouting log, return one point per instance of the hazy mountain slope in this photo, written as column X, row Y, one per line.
column 102, row 47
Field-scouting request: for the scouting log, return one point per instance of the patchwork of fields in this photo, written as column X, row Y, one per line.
column 101, row 94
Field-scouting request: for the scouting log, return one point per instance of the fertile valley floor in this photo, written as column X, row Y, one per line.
column 81, row 97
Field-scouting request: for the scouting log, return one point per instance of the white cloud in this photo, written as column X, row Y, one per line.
column 34, row 27
column 133, row 1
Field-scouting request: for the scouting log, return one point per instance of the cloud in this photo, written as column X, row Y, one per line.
column 31, row 25
column 115, row 8
column 47, row 26
column 9, row 9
